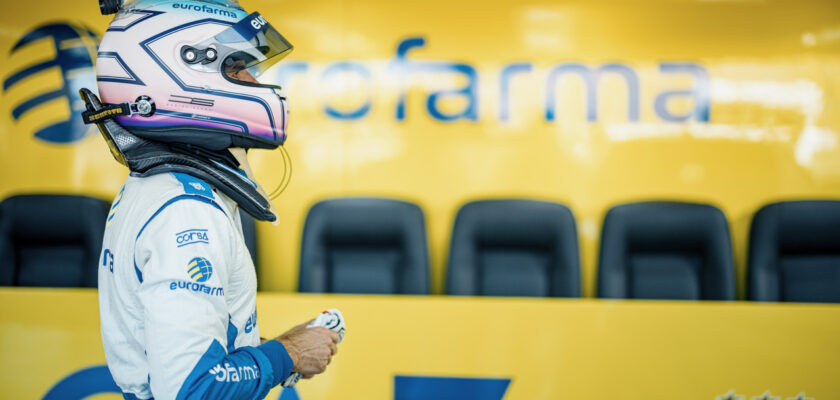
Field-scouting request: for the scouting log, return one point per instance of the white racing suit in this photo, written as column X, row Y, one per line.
column 177, row 296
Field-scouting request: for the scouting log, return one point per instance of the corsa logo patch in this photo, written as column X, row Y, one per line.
column 200, row 269
column 191, row 236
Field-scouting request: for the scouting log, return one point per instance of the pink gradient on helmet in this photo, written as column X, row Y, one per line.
column 145, row 60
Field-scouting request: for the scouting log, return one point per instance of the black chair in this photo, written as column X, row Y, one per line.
column 364, row 245
column 666, row 250
column 514, row 248
column 795, row 252
column 249, row 232
column 51, row 240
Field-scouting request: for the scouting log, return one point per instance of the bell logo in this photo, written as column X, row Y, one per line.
column 75, row 49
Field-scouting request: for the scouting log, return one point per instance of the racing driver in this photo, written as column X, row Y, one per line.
column 180, row 105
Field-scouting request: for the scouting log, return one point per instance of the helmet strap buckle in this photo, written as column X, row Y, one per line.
column 143, row 106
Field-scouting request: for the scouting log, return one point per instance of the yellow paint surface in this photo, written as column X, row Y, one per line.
column 772, row 132
column 551, row 349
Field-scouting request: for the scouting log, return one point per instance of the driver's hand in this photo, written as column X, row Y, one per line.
column 311, row 349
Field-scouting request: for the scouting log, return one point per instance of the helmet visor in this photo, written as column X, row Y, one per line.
column 251, row 44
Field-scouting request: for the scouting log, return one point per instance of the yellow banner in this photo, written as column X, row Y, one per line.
column 589, row 103
column 513, row 349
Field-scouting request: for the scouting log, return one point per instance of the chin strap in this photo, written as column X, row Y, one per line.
column 145, row 157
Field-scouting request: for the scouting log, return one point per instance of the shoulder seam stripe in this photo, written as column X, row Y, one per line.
column 200, row 198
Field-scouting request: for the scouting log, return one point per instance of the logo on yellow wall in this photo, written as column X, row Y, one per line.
column 75, row 50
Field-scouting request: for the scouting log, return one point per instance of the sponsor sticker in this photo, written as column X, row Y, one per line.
column 191, row 236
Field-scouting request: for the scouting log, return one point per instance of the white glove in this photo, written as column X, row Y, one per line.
column 330, row 319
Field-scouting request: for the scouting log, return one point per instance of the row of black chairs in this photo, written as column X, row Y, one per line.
column 661, row 250
column 649, row 250
column 55, row 240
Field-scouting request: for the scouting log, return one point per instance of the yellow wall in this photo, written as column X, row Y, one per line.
column 549, row 349
column 772, row 131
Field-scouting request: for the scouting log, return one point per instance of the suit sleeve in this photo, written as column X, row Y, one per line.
column 188, row 333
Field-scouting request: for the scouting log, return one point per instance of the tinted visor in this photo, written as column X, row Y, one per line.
column 251, row 44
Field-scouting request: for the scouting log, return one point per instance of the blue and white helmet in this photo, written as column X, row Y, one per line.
column 196, row 61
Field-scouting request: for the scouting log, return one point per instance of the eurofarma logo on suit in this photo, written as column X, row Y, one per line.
column 199, row 270
column 73, row 51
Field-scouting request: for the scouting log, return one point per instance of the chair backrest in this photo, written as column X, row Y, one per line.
column 666, row 250
column 249, row 233
column 794, row 252
column 364, row 245
column 514, row 247
column 51, row 240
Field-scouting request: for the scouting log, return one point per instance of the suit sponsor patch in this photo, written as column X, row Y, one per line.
column 191, row 236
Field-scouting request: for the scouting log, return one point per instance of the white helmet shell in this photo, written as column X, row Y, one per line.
column 187, row 56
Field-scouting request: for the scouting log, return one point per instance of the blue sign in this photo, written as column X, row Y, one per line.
column 449, row 388
column 98, row 379
column 84, row 383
